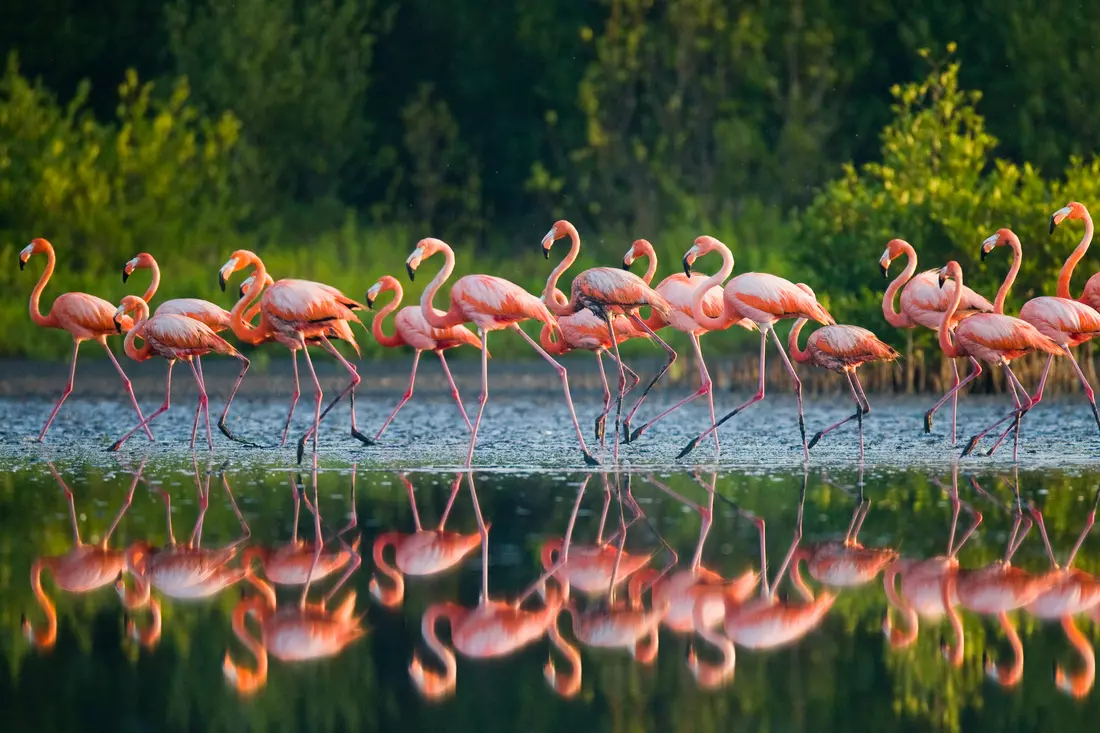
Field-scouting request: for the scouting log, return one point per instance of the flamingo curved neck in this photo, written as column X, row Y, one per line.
column 554, row 348
column 246, row 680
column 897, row 637
column 715, row 280
column 1010, row 278
column 155, row 282
column 453, row 317
column 712, row 675
column 136, row 330
column 645, row 249
column 42, row 638
column 564, row 684
column 1079, row 683
column 944, row 331
column 556, row 307
column 47, row 321
column 238, row 322
column 893, row 316
column 798, row 355
column 387, row 596
column 395, row 340
column 445, row 655
column 1074, row 258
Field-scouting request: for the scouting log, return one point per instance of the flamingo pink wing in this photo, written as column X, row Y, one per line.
column 499, row 299
column 307, row 301
column 850, row 343
column 184, row 336
column 216, row 317
column 84, row 312
column 774, row 296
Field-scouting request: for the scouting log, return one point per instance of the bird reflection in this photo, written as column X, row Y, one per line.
column 421, row 553
column 491, row 629
column 296, row 632
column 83, row 569
column 765, row 622
column 185, row 571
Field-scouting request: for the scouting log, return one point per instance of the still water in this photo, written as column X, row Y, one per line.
column 173, row 598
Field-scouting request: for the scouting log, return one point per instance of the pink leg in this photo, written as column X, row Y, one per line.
column 454, row 389
column 204, row 401
column 484, row 396
column 72, row 504
column 355, row 380
column 206, row 407
column 632, row 381
column 857, row 416
column 1016, row 414
column 404, row 398
column 482, row 530
column 588, row 459
column 705, row 388
column 622, row 383
column 167, row 403
column 293, row 395
column 318, row 396
column 125, row 384
column 954, row 400
column 797, row 390
column 601, row 420
column 1089, row 393
column 1014, row 426
column 233, row 393
column 668, row 365
column 976, row 369
column 64, row 393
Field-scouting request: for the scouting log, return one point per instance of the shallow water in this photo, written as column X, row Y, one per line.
column 108, row 670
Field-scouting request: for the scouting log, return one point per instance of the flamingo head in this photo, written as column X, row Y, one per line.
column 997, row 239
column 639, row 249
column 372, row 294
column 247, row 283
column 37, row 245
column 949, row 271
column 894, row 249
column 238, row 260
column 142, row 260
column 702, row 245
column 561, row 228
column 130, row 304
column 1072, row 210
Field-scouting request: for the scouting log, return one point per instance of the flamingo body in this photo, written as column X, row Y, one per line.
column 765, row 624
column 764, row 298
column 838, row 348
column 924, row 302
column 1074, row 592
column 998, row 339
column 1064, row 321
column 841, row 565
column 684, row 590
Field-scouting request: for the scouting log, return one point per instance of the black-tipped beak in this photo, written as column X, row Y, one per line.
column 943, row 279
column 687, row 266
column 1053, row 224
column 411, row 270
column 240, row 291
column 118, row 325
column 369, row 302
column 22, row 264
column 626, row 265
column 125, row 275
column 221, row 280
column 884, row 270
column 546, row 252
column 984, row 254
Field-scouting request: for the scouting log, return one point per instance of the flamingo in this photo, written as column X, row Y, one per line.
column 421, row 553
column 214, row 316
column 174, row 337
column 85, row 317
column 492, row 629
column 297, row 314
column 992, row 337
column 1073, row 592
column 491, row 304
column 840, row 349
column 678, row 289
column 923, row 303
column 765, row 622
column 763, row 299
column 607, row 292
column 410, row 329
column 1065, row 321
column 82, row 569
column 585, row 330
column 1090, row 296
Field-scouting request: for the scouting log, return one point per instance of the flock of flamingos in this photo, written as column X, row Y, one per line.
column 603, row 301
column 743, row 611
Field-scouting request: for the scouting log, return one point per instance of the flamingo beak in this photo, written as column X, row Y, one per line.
column 1053, row 223
column 1058, row 216
column 548, row 242
column 687, row 265
column 546, row 250
column 22, row 264
column 411, row 270
column 240, row 292
column 627, row 262
column 118, row 324
column 369, row 300
column 943, row 277
column 884, row 269
column 125, row 274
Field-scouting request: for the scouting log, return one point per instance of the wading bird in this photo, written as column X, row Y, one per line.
column 1090, row 296
column 1063, row 320
column 491, row 304
column 297, row 314
column 214, row 316
column 410, row 329
column 174, row 337
column 679, row 289
column 607, row 292
column 994, row 338
column 762, row 298
column 85, row 317
column 840, row 349
column 923, row 303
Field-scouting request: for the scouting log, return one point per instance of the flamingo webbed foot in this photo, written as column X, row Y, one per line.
column 928, row 422
column 363, row 438
column 229, row 434
column 814, row 440
column 970, row 446
column 115, row 446
column 589, row 460
column 634, row 436
column 688, row 448
column 601, row 427
column 626, row 431
column 302, row 447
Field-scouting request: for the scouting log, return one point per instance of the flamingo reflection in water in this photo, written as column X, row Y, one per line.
column 1073, row 592
column 923, row 591
column 492, row 629
column 299, row 632
column 420, row 553
column 185, row 571
column 296, row 562
column 766, row 622
column 85, row 568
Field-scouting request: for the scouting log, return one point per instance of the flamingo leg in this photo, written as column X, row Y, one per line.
column 1015, row 424
column 293, row 395
column 355, row 558
column 797, row 390
column 121, row 510
column 1089, row 393
column 1016, row 414
column 454, row 388
column 450, row 503
column 68, row 390
column 352, row 384
column 484, row 396
column 954, row 399
column 563, row 556
column 72, row 505
column 601, row 420
column 752, row 401
column 412, row 500
column 483, row 531
column 637, row 321
column 297, row 510
column 622, row 381
column 857, row 416
column 1090, row 520
column 198, row 409
column 588, row 459
column 705, row 388
column 318, row 396
column 245, row 363
column 206, row 407
column 204, row 401
column 125, row 385
column 975, row 371
column 404, row 398
column 318, row 539
column 167, row 403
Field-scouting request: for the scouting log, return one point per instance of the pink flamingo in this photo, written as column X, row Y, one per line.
column 410, row 329
column 992, row 337
column 214, row 316
column 174, row 337
column 1090, row 296
column 491, row 304
column 840, row 349
column 678, row 289
column 923, row 303
column 1063, row 320
column 607, row 292
column 85, row 317
column 763, row 299
column 297, row 314
column 585, row 330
